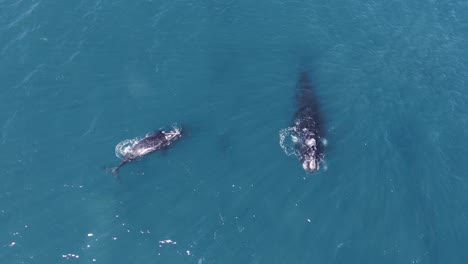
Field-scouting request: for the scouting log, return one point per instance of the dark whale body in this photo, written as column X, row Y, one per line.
column 307, row 125
column 158, row 140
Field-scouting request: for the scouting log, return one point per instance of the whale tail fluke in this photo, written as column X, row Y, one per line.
column 114, row 171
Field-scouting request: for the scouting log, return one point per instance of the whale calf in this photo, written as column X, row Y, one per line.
column 306, row 131
column 138, row 148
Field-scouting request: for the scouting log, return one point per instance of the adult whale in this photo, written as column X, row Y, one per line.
column 307, row 129
column 160, row 139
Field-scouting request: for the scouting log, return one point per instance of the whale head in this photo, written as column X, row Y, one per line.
column 173, row 134
column 309, row 153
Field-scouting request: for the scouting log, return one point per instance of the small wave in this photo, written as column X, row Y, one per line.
column 176, row 127
column 22, row 16
column 124, row 147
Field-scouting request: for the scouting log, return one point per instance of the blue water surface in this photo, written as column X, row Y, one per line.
column 78, row 77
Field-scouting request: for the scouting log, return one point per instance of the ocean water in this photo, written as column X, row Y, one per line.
column 78, row 77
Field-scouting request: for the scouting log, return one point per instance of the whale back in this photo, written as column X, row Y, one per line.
column 308, row 112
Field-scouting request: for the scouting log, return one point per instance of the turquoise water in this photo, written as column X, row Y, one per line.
column 79, row 77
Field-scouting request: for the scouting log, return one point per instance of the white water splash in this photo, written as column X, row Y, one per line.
column 168, row 241
column 287, row 141
column 124, row 147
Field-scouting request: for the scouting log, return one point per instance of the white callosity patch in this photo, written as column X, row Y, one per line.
column 310, row 165
column 311, row 142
